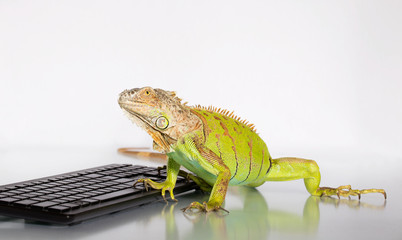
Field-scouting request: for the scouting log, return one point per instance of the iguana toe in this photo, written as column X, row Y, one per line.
column 164, row 186
column 204, row 207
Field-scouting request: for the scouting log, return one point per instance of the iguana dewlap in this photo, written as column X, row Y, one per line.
column 215, row 145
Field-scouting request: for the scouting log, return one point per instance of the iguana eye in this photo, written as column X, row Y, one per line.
column 162, row 123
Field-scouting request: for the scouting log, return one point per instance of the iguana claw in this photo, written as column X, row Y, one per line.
column 204, row 207
column 347, row 191
column 155, row 185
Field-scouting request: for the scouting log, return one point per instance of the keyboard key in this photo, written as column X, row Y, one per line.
column 111, row 196
column 77, row 197
column 108, row 178
column 33, row 188
column 151, row 173
column 124, row 180
column 76, row 185
column 107, row 184
column 123, row 186
column 15, row 192
column 71, row 205
column 93, row 193
column 48, row 197
column 26, row 202
column 93, row 175
column 78, row 190
column 49, row 185
column 63, row 194
column 102, row 190
column 40, row 187
column 8, row 200
column 32, row 194
column 92, row 187
column 91, row 201
column 74, row 175
column 67, row 199
column 85, row 195
column 44, row 204
column 51, row 190
column 38, row 199
column 8, row 194
column 60, row 200
column 44, row 192
column 20, row 197
column 23, row 190
column 59, row 208
column 81, row 203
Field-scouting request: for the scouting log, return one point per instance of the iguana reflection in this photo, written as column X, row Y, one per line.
column 255, row 220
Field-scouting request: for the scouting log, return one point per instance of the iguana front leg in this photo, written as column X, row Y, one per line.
column 173, row 169
column 215, row 165
column 204, row 186
column 217, row 195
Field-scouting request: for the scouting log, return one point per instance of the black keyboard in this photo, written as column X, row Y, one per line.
column 73, row 197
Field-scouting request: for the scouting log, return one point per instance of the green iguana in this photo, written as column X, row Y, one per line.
column 217, row 146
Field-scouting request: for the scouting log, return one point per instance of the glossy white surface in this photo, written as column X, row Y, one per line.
column 276, row 210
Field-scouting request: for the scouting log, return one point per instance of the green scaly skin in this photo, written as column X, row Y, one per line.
column 218, row 147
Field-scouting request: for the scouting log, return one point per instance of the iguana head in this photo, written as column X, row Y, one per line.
column 160, row 113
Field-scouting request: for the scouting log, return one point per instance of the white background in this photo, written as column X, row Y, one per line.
column 319, row 79
column 308, row 74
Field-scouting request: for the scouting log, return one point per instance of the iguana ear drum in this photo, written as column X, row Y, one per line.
column 161, row 123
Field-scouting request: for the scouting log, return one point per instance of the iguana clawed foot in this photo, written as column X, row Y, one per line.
column 204, row 207
column 347, row 191
column 169, row 186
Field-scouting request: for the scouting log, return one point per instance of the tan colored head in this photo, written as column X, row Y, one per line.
column 160, row 113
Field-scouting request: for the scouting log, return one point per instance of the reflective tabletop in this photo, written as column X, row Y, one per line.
column 276, row 210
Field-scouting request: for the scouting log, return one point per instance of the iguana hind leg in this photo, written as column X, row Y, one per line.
column 285, row 169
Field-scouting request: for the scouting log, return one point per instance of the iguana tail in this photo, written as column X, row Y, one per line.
column 143, row 155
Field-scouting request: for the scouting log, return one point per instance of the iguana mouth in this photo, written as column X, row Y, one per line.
column 140, row 117
column 162, row 139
